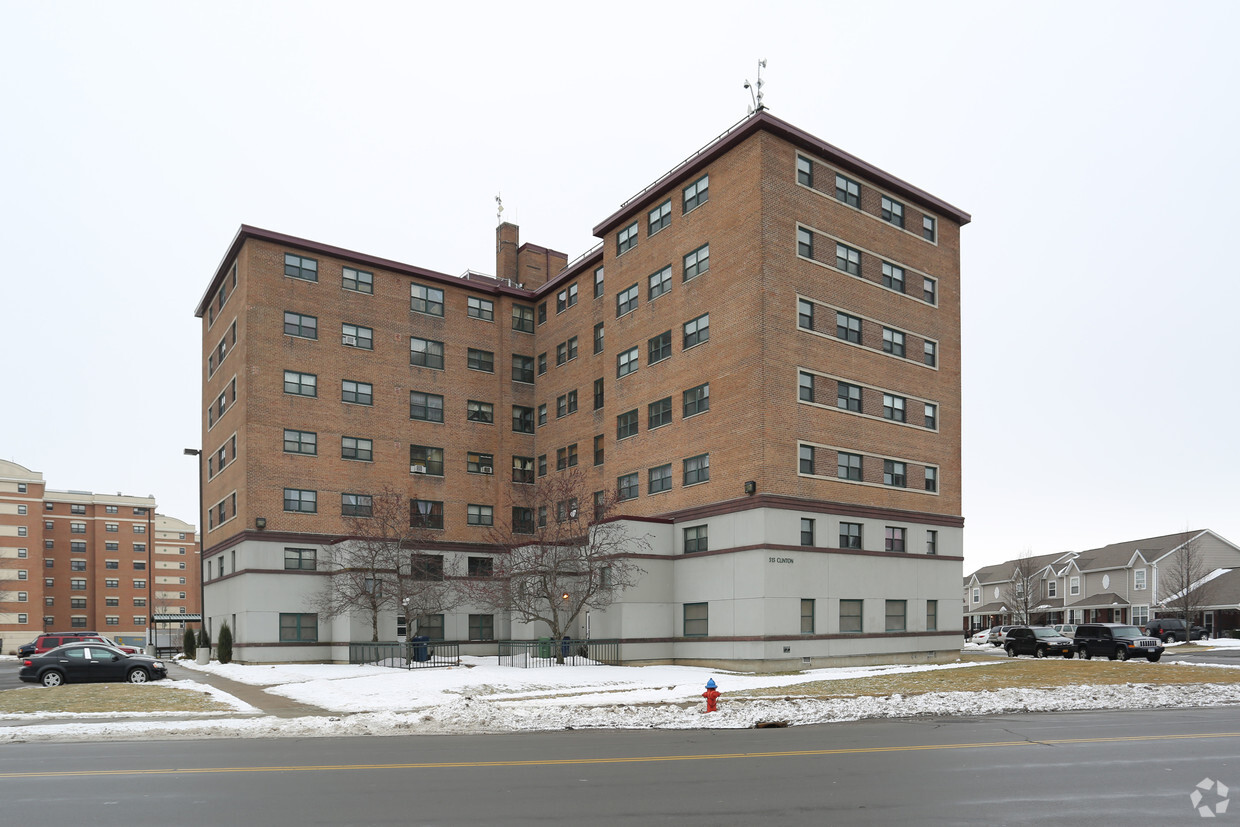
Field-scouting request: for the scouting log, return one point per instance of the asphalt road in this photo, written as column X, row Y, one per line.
column 1073, row 768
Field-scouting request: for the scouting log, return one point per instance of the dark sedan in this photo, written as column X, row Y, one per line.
column 1038, row 641
column 85, row 662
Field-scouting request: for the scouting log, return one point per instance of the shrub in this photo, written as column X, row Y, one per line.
column 204, row 640
column 189, row 644
column 223, row 649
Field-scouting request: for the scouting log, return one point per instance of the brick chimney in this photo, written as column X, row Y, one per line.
column 507, row 238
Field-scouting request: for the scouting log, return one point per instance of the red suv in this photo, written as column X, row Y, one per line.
column 50, row 641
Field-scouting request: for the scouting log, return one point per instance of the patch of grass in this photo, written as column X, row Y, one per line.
column 106, row 697
column 1024, row 673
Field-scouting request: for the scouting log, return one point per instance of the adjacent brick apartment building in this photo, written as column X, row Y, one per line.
column 80, row 560
column 762, row 356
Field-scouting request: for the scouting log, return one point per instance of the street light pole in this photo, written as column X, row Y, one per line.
column 202, row 543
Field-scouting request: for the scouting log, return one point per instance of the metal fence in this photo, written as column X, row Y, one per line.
column 412, row 654
column 531, row 654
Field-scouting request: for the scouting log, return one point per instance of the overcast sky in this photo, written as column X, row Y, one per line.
column 1093, row 143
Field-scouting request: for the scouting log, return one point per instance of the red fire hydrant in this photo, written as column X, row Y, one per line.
column 712, row 696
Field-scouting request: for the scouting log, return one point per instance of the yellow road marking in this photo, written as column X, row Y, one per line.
column 550, row 762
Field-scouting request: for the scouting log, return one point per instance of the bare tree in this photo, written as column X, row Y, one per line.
column 374, row 569
column 564, row 551
column 1182, row 586
column 1023, row 590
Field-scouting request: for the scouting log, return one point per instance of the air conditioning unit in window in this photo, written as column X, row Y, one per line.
column 486, row 469
column 349, row 340
column 417, row 469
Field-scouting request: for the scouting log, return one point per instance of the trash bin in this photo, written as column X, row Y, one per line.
column 421, row 652
column 565, row 645
column 544, row 647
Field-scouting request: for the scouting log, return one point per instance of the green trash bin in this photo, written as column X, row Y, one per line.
column 544, row 647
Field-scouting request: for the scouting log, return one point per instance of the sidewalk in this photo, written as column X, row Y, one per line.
column 256, row 696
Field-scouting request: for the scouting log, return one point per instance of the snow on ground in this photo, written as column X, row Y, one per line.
column 480, row 696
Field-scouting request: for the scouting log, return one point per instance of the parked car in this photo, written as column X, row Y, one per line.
column 83, row 662
column 1065, row 629
column 1168, row 629
column 998, row 635
column 1038, row 641
column 1116, row 640
column 51, row 640
column 979, row 637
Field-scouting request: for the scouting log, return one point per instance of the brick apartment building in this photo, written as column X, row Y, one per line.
column 762, row 356
column 79, row 560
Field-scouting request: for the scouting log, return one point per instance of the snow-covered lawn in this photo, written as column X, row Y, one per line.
column 480, row 696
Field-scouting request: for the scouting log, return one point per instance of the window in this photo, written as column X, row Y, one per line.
column 1141, row 615
column 805, row 314
column 480, row 411
column 626, row 487
column 598, row 338
column 566, row 351
column 696, row 400
column 598, row 282
column 542, row 363
column 299, row 627
column 483, row 309
column 22, row 531
column 356, row 393
column 929, row 290
column 21, row 510
column 352, row 335
column 894, row 539
column 848, row 191
column 805, row 171
column 542, row 465
column 75, row 565
column 77, row 584
column 566, row 457
column 424, row 459
column 848, row 466
column 932, row 478
column 566, row 298
column 932, row 615
column 426, row 353
column 626, row 424
column 893, row 342
column 300, row 384
column 300, row 559
column 697, row 331
column 848, row 328
column 929, row 228
column 480, row 515
column 523, row 318
column 523, row 469
column 627, row 362
column 850, row 616
column 805, row 386
column 428, row 300
column 892, row 211
column 626, row 300
column 893, row 277
column 77, row 528
column 542, row 313
column 932, row 416
column 893, row 407
column 21, row 488
column 697, row 193
column 659, row 217
column 570, row 403
column 522, row 419
column 930, row 352
column 298, row 442
column 848, row 259
column 894, row 473
column 522, row 520
column 542, row 516
column 805, row 462
column 522, row 368
column 426, row 514
column 695, row 538
column 932, row 547
column 598, row 449
column 479, row 463
column 896, row 621
column 431, row 626
column 659, row 347
column 697, row 469
column 850, row 536
column 660, row 283
column 353, row 447
column 1138, row 580
column 660, row 413
column 659, row 479
column 598, row 394
column 848, row 397
column 427, row 407
column 297, row 324
column 358, row 280
column 697, row 262
column 1074, row 585
column 626, row 239
column 483, row 360
column 697, row 619
column 805, row 243
column 300, row 500
column 807, row 531
column 77, row 509
column 108, row 564
column 300, row 267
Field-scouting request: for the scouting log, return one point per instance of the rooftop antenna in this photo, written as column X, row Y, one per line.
column 757, row 105
column 499, row 210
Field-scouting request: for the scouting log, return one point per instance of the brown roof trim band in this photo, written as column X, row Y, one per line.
column 785, row 503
